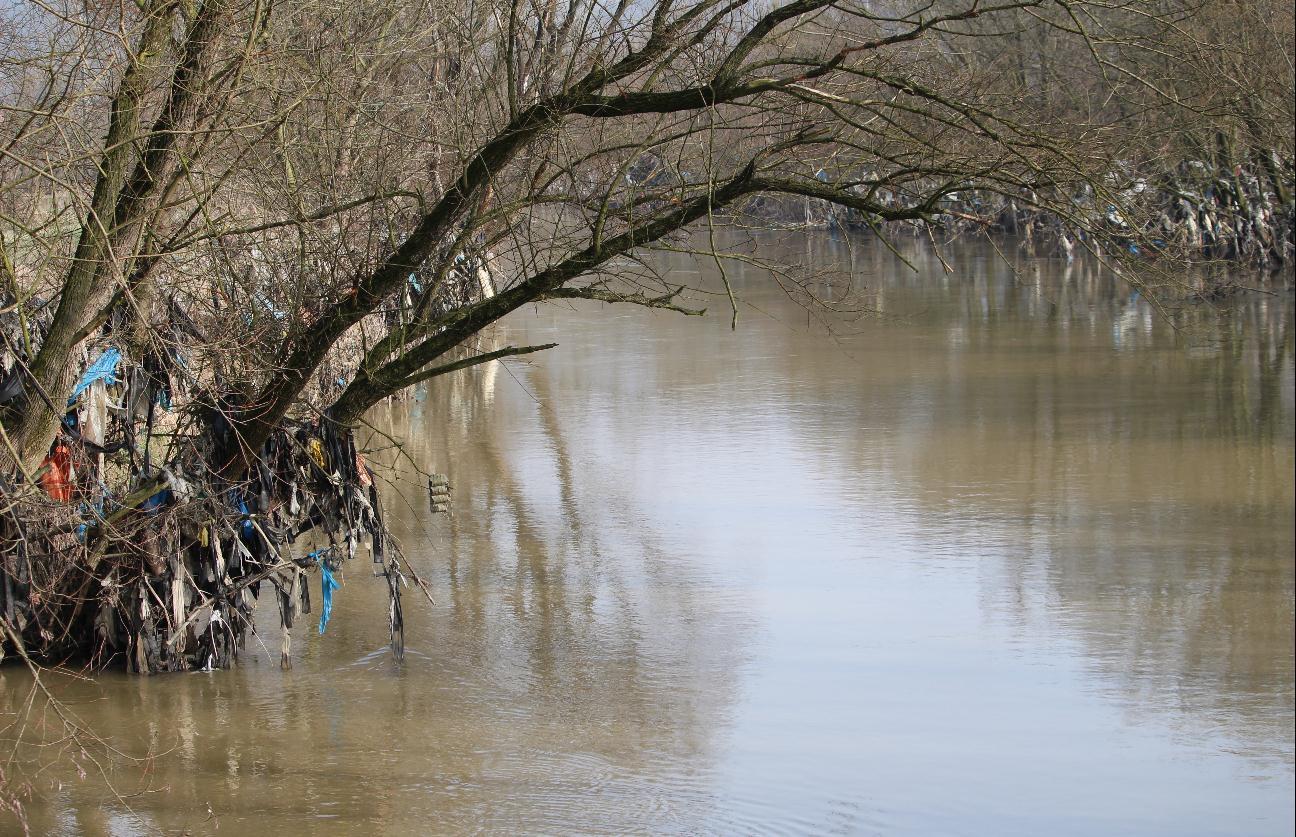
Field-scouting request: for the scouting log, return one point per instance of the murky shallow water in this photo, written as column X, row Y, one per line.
column 1015, row 557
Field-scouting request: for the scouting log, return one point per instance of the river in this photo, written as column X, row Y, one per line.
column 1009, row 554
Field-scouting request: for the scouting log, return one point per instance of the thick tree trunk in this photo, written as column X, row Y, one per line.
column 120, row 209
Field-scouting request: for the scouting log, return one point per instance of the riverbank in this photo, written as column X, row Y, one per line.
column 1237, row 214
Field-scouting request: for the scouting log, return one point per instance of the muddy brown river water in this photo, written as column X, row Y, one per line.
column 1011, row 556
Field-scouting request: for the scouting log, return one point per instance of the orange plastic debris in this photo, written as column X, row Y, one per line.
column 57, row 479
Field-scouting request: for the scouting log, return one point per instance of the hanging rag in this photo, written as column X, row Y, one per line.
column 327, row 585
column 239, row 503
column 11, row 385
column 316, row 450
column 104, row 369
column 91, row 511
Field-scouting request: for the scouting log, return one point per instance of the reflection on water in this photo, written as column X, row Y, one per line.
column 1013, row 555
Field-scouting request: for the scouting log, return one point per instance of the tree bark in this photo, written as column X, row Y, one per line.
column 120, row 208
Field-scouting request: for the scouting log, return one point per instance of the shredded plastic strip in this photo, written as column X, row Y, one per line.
column 327, row 585
column 104, row 369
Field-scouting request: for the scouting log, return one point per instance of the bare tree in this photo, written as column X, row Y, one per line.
column 281, row 214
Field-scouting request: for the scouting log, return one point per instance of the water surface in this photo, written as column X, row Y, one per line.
column 1011, row 555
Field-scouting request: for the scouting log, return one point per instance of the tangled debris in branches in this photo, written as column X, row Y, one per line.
column 1242, row 213
column 106, row 557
